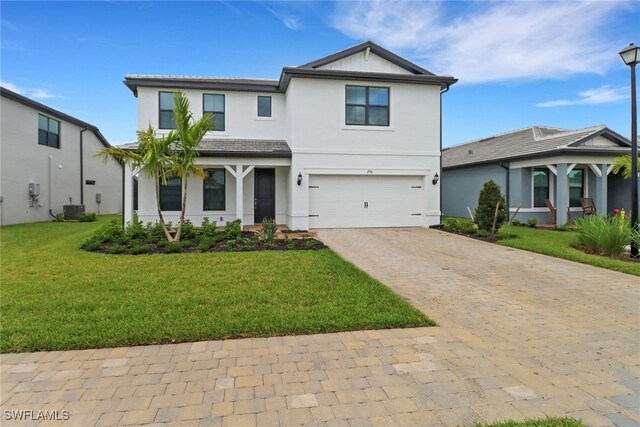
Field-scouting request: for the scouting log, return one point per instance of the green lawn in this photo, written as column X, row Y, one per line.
column 558, row 244
column 541, row 422
column 55, row 296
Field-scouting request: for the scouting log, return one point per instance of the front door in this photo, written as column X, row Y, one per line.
column 264, row 194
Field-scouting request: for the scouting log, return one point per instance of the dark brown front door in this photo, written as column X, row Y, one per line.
column 265, row 194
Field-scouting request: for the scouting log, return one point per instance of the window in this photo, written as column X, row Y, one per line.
column 264, row 106
column 214, row 104
column 367, row 106
column 540, row 187
column 214, row 194
column 48, row 131
column 166, row 119
column 576, row 187
column 171, row 194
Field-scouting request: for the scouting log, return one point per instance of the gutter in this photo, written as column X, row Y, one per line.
column 507, row 169
column 82, row 167
column 442, row 91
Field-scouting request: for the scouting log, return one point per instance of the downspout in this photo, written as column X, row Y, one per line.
column 81, row 168
column 507, row 169
column 442, row 91
column 123, row 198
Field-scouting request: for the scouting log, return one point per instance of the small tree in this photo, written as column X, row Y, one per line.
column 490, row 196
column 623, row 163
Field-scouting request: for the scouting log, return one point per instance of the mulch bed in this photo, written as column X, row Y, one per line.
column 622, row 257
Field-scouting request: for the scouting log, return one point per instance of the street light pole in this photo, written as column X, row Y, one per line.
column 631, row 56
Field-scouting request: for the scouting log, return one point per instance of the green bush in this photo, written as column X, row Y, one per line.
column 87, row 217
column 155, row 233
column 209, row 229
column 139, row 249
column 490, row 196
column 269, row 230
column 516, row 223
column 116, row 249
column 504, row 235
column 563, row 227
column 109, row 232
column 459, row 225
column 483, row 233
column 135, row 231
column 188, row 230
column 172, row 248
column 604, row 235
column 233, row 230
column 60, row 217
column 532, row 222
column 91, row 245
column 184, row 244
column 310, row 244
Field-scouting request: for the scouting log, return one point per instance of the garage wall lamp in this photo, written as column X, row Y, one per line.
column 436, row 178
column 300, row 178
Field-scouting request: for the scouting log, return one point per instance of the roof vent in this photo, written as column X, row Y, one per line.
column 470, row 152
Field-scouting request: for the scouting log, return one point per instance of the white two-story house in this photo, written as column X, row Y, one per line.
column 349, row 140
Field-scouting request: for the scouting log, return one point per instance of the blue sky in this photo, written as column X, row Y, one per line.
column 519, row 63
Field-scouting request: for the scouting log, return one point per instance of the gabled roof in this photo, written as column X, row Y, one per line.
column 418, row 75
column 210, row 147
column 534, row 141
column 54, row 113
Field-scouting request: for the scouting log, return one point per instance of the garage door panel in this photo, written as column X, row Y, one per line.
column 339, row 201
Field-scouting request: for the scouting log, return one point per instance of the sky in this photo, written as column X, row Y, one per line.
column 519, row 63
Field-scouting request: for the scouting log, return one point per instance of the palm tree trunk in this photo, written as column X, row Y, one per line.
column 184, row 208
column 164, row 226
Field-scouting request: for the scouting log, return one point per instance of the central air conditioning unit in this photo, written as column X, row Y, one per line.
column 71, row 212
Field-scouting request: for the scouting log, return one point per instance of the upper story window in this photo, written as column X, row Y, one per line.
column 576, row 187
column 214, row 104
column 540, row 187
column 213, row 190
column 264, row 106
column 367, row 105
column 166, row 119
column 171, row 194
column 48, row 131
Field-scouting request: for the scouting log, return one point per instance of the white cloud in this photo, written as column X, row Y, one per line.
column 290, row 21
column 36, row 93
column 490, row 41
column 602, row 95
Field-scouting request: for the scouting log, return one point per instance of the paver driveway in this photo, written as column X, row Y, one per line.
column 520, row 335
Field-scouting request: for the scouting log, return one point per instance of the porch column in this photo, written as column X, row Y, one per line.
column 562, row 193
column 127, row 207
column 239, row 194
column 601, row 190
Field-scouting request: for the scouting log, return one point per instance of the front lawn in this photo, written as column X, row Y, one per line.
column 559, row 244
column 55, row 296
column 540, row 422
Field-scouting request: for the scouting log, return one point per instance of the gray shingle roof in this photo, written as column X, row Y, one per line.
column 238, row 148
column 531, row 142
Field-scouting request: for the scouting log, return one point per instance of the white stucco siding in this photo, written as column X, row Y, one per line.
column 57, row 171
column 241, row 113
column 107, row 177
column 361, row 62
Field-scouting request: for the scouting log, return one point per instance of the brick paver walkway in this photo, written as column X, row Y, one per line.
column 520, row 335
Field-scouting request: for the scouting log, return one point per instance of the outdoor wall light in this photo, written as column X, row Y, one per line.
column 436, row 178
column 299, row 178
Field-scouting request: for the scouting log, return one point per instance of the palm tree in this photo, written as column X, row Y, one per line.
column 623, row 163
column 188, row 134
column 173, row 154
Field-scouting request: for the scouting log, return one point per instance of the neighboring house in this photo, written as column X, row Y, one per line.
column 47, row 162
column 538, row 163
column 349, row 140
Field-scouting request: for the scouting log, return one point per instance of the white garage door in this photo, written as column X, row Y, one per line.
column 364, row 201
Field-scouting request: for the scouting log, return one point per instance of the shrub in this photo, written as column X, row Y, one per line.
column 188, row 230
column 490, row 196
column 563, row 227
column 116, row 249
column 483, row 233
column 269, row 230
column 310, row 244
column 155, row 233
column 532, row 222
column 109, row 232
column 91, row 245
column 209, row 229
column 135, row 231
column 516, row 223
column 60, row 217
column 206, row 243
column 503, row 235
column 604, row 235
column 184, row 244
column 172, row 248
column 459, row 225
column 233, row 230
column 87, row 217
column 139, row 249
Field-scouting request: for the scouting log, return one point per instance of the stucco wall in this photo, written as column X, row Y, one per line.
column 57, row 171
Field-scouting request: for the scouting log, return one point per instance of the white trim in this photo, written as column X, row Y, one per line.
column 570, row 168
column 362, row 171
column 609, row 169
column 596, row 170
column 529, row 210
column 231, row 171
column 247, row 171
column 576, row 158
column 370, row 128
column 553, row 169
column 264, row 119
column 370, row 153
column 255, row 161
column 551, row 183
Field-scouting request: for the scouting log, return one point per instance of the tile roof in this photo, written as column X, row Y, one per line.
column 530, row 142
column 238, row 148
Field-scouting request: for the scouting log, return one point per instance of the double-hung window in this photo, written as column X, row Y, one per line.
column 576, row 187
column 171, row 194
column 540, row 187
column 214, row 194
column 214, row 104
column 165, row 118
column 48, row 131
column 367, row 105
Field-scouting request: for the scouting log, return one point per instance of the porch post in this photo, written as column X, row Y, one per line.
column 127, row 208
column 601, row 191
column 239, row 194
column 562, row 193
